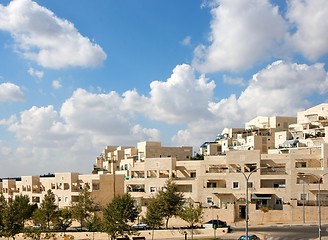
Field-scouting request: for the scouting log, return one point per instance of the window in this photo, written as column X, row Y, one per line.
column 211, row 185
column 303, row 196
column 235, row 185
column 209, row 200
column 193, row 174
column 250, row 184
column 152, row 189
column 300, row 165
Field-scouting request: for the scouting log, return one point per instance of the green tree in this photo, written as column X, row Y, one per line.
column 118, row 214
column 153, row 217
column 3, row 206
column 192, row 214
column 23, row 209
column 14, row 213
column 47, row 213
column 170, row 201
column 85, row 207
column 64, row 219
column 94, row 224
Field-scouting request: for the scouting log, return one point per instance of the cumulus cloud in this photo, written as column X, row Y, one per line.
column 145, row 133
column 35, row 73
column 309, row 17
column 46, row 39
column 86, row 121
column 282, row 88
column 186, row 41
column 56, row 84
column 233, row 81
column 242, row 33
column 10, row 92
column 182, row 97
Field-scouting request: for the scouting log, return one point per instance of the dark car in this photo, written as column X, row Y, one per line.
column 250, row 237
column 215, row 223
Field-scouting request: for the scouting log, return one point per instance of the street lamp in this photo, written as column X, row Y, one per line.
column 319, row 179
column 247, row 177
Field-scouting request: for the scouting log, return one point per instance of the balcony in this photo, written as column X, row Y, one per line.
column 323, row 203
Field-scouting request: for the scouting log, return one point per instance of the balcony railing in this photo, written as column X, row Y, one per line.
column 323, row 203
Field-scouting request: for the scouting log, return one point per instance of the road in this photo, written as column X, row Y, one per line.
column 282, row 232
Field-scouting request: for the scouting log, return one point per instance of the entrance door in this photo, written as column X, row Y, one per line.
column 242, row 212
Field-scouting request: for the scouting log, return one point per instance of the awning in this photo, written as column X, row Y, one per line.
column 258, row 196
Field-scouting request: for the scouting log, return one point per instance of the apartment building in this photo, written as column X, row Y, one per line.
column 281, row 161
column 283, row 177
column 65, row 186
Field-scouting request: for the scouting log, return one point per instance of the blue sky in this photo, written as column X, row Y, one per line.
column 78, row 75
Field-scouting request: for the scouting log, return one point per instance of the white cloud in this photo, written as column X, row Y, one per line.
column 233, row 81
column 35, row 73
column 186, row 41
column 182, row 97
column 141, row 133
column 242, row 33
column 280, row 89
column 46, row 39
column 56, row 84
column 87, row 122
column 309, row 18
column 10, row 92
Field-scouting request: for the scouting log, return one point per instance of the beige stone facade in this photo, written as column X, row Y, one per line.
column 281, row 160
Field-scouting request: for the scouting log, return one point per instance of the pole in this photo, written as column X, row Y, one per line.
column 303, row 201
column 320, row 179
column 247, row 177
column 319, row 208
column 246, row 229
column 319, row 203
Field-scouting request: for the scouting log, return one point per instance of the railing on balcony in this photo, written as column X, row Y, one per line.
column 323, row 203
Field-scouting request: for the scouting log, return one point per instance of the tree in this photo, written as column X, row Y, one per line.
column 23, row 209
column 264, row 210
column 47, row 213
column 94, row 224
column 153, row 217
column 3, row 205
column 13, row 214
column 170, row 201
column 85, row 207
column 64, row 219
column 118, row 214
column 192, row 215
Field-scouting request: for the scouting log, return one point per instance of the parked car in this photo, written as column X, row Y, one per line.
column 140, row 225
column 250, row 237
column 216, row 223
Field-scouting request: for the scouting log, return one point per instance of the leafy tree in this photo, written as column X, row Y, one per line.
column 85, row 207
column 23, row 209
column 64, row 219
column 94, row 224
column 118, row 214
column 47, row 213
column 192, row 214
column 264, row 210
column 14, row 213
column 170, row 201
column 153, row 217
column 11, row 225
column 3, row 206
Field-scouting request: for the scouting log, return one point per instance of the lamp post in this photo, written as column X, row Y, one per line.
column 319, row 179
column 247, row 177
